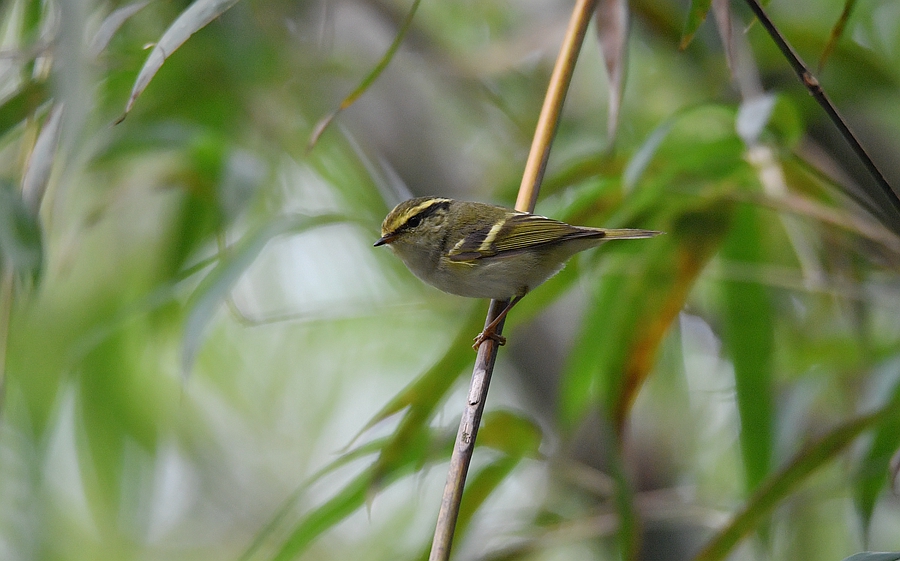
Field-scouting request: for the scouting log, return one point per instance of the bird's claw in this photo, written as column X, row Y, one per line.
column 488, row 334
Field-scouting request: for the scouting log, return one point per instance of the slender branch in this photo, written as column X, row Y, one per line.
column 812, row 84
column 487, row 352
column 465, row 441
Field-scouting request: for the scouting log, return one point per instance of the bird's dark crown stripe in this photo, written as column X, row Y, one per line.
column 423, row 211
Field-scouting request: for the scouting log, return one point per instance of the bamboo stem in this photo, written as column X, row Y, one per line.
column 815, row 89
column 535, row 166
column 548, row 121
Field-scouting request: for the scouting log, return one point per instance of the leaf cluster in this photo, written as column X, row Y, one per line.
column 193, row 325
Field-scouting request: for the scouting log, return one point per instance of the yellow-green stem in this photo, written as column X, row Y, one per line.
column 487, row 352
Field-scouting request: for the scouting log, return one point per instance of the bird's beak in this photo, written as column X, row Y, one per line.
column 385, row 239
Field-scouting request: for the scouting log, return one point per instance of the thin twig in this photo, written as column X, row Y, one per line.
column 812, row 84
column 487, row 352
column 465, row 441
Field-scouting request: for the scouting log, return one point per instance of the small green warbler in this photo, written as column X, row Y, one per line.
column 479, row 250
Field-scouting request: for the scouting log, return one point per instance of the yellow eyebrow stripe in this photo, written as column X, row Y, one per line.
column 426, row 204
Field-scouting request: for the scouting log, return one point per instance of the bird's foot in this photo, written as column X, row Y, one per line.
column 488, row 334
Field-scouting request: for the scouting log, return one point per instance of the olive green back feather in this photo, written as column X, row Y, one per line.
column 517, row 232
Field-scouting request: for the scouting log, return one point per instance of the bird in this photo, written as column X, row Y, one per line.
column 480, row 250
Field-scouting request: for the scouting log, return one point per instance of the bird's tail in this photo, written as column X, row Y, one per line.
column 628, row 233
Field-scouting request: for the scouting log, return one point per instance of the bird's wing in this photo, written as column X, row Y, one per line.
column 515, row 233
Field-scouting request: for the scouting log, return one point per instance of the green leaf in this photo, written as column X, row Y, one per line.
column 112, row 23
column 874, row 466
column 642, row 292
column 21, row 245
column 435, row 446
column 41, row 160
column 699, row 140
column 216, row 286
column 14, row 110
column 430, row 446
column 289, row 503
column 123, row 406
column 368, row 80
column 780, row 485
column 697, row 14
column 749, row 330
column 510, row 433
column 642, row 157
column 345, row 502
column 836, row 32
column 192, row 20
column 515, row 436
column 424, row 394
column 629, row 521
column 479, row 487
column 785, row 124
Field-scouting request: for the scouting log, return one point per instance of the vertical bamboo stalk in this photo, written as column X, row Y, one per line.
column 535, row 166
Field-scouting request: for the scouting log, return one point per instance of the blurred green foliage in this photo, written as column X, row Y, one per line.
column 204, row 358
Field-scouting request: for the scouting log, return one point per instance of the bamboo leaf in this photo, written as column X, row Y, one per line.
column 874, row 467
column 215, row 287
column 749, row 328
column 368, row 80
column 21, row 245
column 197, row 16
column 479, row 488
column 510, row 433
column 112, row 23
column 504, row 431
column 345, row 502
column 40, row 161
column 425, row 392
column 422, row 397
column 289, row 503
column 433, row 446
column 612, row 29
column 780, row 485
column 641, row 301
column 629, row 521
column 836, row 32
column 22, row 105
column 696, row 15
column 643, row 156
column 507, row 432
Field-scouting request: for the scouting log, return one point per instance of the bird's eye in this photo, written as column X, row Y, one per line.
column 414, row 221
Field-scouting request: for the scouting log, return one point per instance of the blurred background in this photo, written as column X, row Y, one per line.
column 204, row 358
